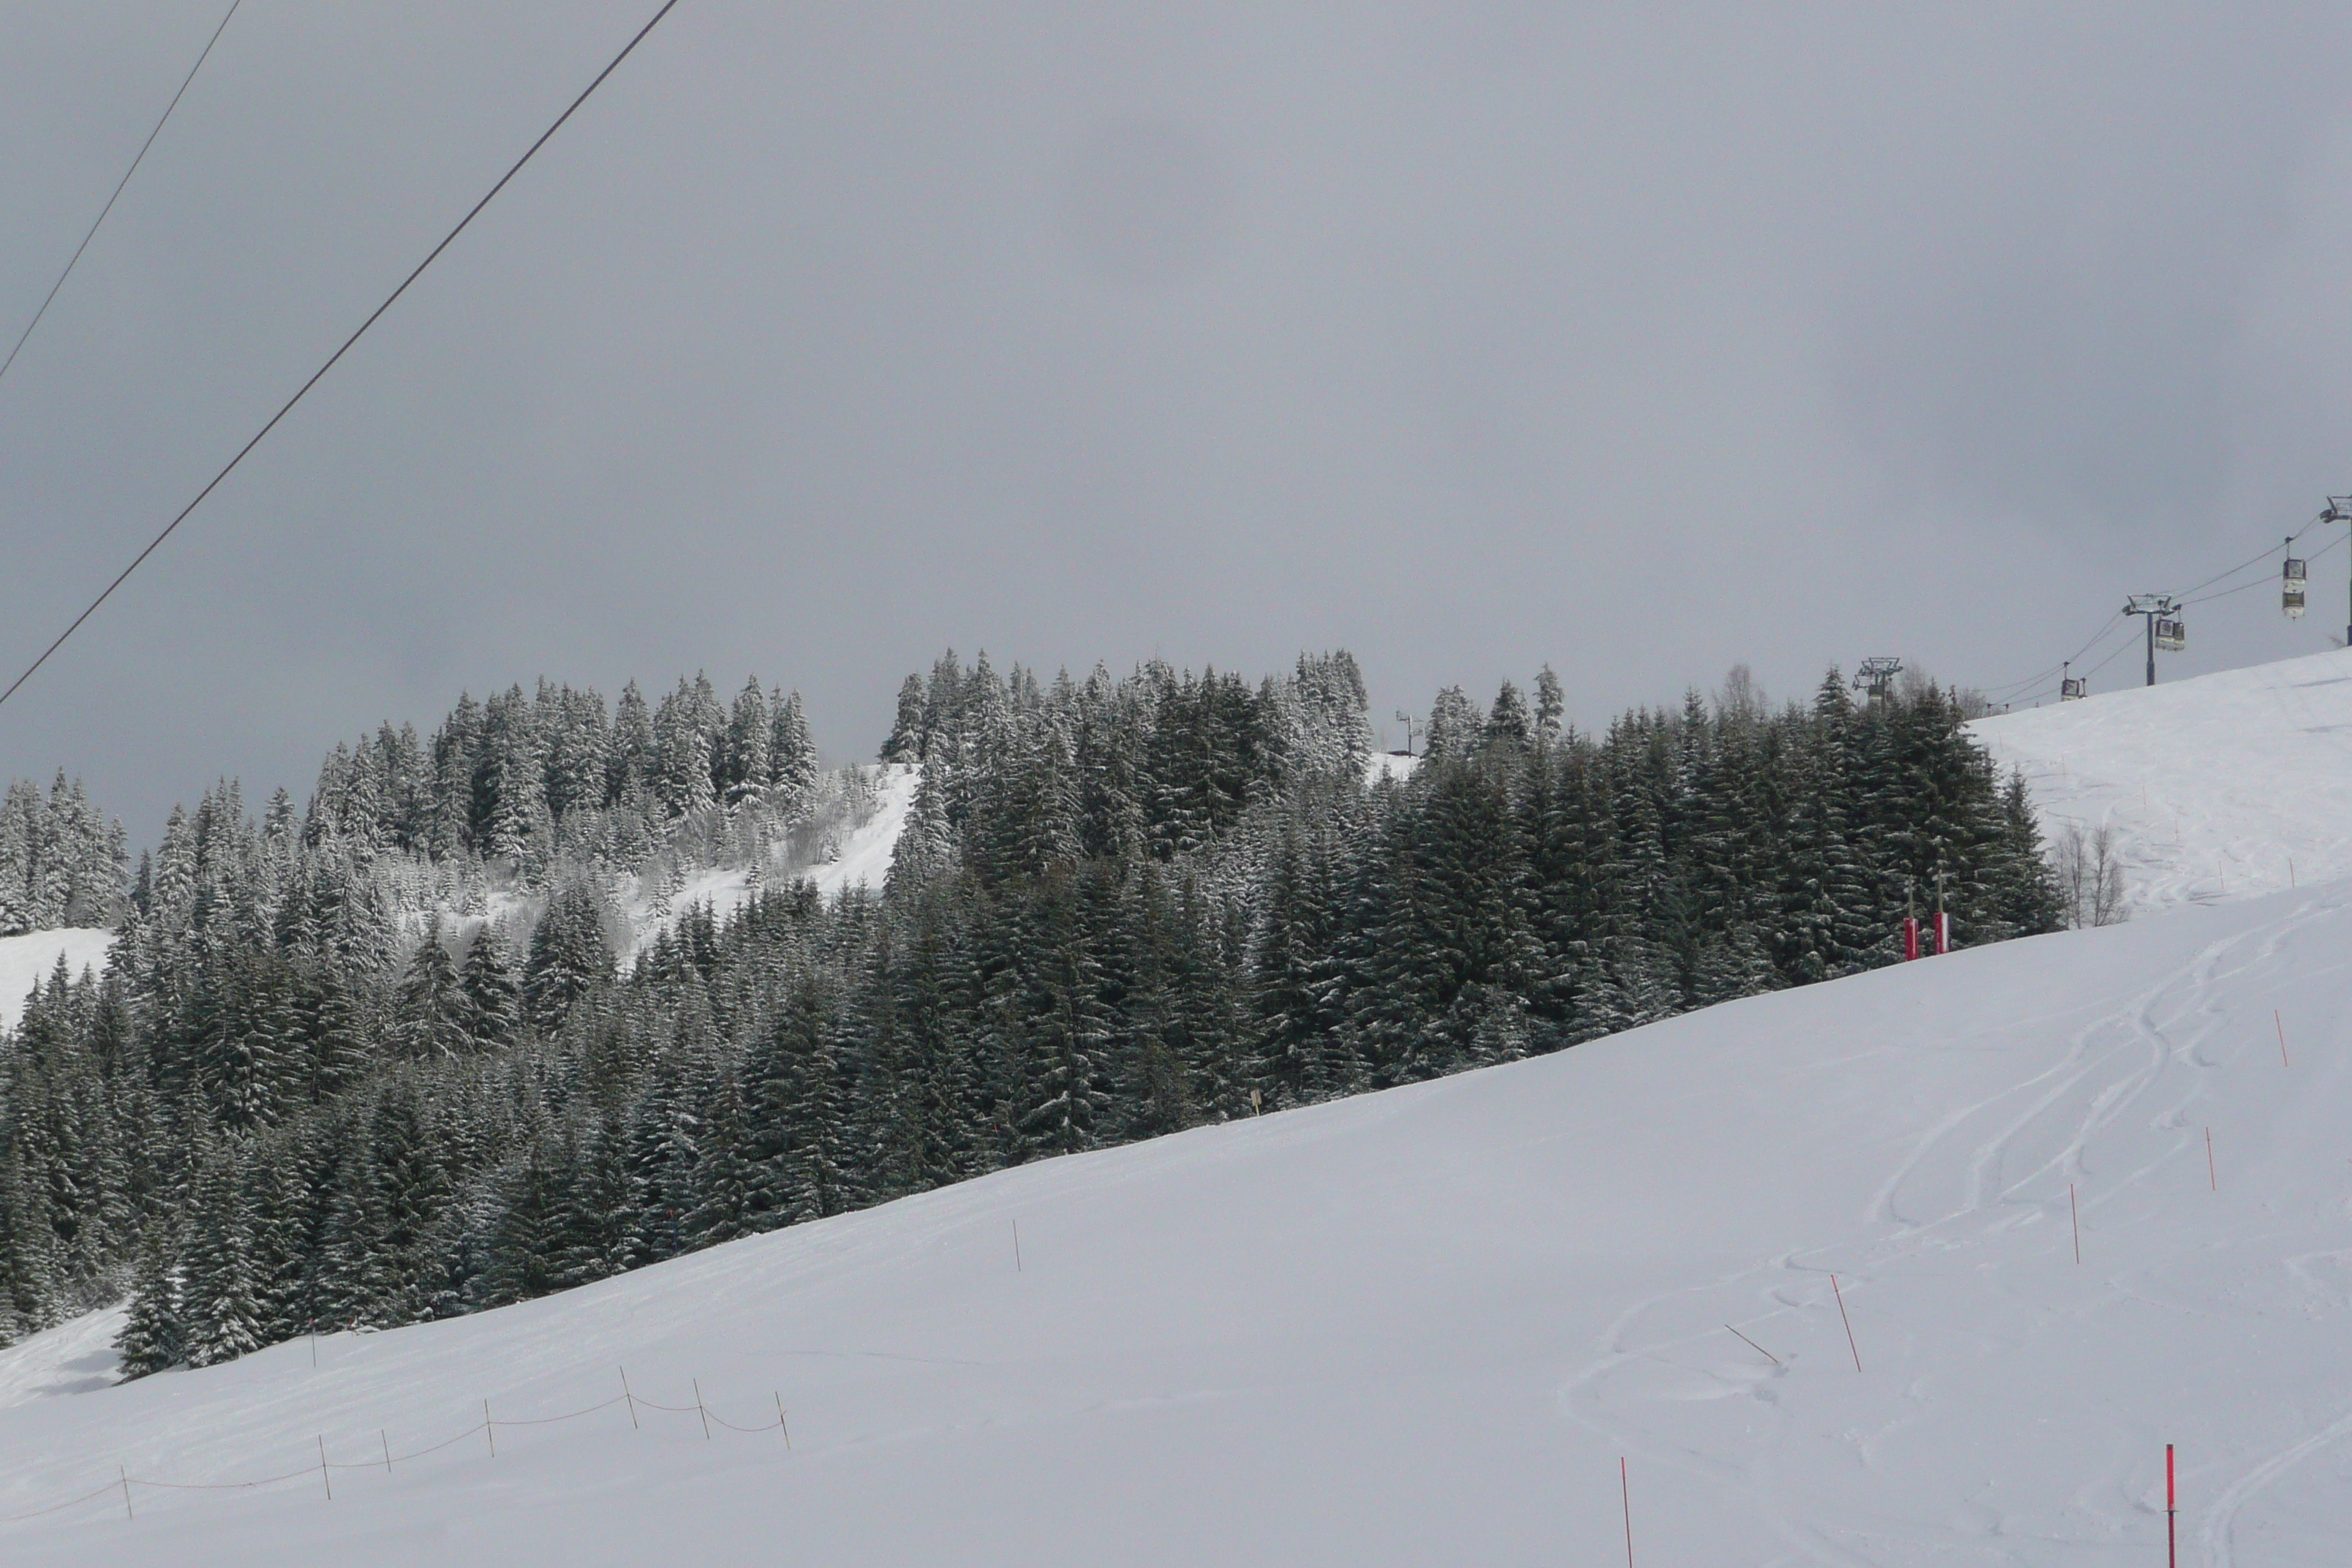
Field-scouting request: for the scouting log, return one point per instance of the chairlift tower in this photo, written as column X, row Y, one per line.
column 2339, row 510
column 1407, row 719
column 1876, row 676
column 2165, row 630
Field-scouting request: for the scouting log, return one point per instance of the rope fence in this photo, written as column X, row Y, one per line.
column 486, row 1429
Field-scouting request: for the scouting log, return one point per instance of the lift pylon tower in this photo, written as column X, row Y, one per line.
column 1876, row 676
column 2339, row 510
column 2165, row 630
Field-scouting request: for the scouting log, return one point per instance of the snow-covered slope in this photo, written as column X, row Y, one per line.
column 74, row 1358
column 2220, row 786
column 27, row 961
column 863, row 859
column 1423, row 1327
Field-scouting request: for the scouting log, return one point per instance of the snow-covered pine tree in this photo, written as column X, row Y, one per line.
column 746, row 766
column 222, row 1312
column 433, row 1007
column 1455, row 725
column 153, row 1338
column 792, row 756
column 493, row 991
column 905, row 741
column 570, row 956
column 1550, row 704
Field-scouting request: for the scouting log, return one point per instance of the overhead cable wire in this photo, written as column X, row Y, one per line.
column 2257, row 561
column 2109, row 624
column 2096, row 637
column 317, row 375
column 2121, row 649
column 2324, row 551
column 2259, row 582
column 109, row 207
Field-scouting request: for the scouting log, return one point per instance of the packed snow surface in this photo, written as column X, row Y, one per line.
column 2218, row 788
column 1424, row 1326
column 27, row 961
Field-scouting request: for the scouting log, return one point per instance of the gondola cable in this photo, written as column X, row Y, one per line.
column 136, row 158
column 317, row 375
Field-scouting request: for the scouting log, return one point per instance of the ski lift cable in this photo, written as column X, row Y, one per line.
column 136, row 158
column 2121, row 649
column 2262, row 582
column 2257, row 561
column 2105, row 627
column 2112, row 621
column 319, row 375
column 2115, row 623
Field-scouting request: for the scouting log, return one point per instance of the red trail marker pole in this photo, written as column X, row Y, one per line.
column 2171, row 1537
column 1625, row 1490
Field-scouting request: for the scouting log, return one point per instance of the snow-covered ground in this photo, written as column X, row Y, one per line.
column 73, row 1358
column 1424, row 1326
column 864, row 858
column 2220, row 786
column 27, row 961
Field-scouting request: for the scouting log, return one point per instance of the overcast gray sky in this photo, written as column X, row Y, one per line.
column 1639, row 339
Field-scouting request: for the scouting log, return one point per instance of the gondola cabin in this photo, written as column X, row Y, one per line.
column 2293, row 579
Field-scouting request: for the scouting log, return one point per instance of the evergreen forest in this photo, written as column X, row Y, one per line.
column 455, row 1032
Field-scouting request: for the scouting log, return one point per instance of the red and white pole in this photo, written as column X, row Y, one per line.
column 1910, row 938
column 1943, row 933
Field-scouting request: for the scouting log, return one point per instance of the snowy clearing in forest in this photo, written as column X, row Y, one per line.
column 857, row 856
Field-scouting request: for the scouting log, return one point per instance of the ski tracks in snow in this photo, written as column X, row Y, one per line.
column 2109, row 1111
